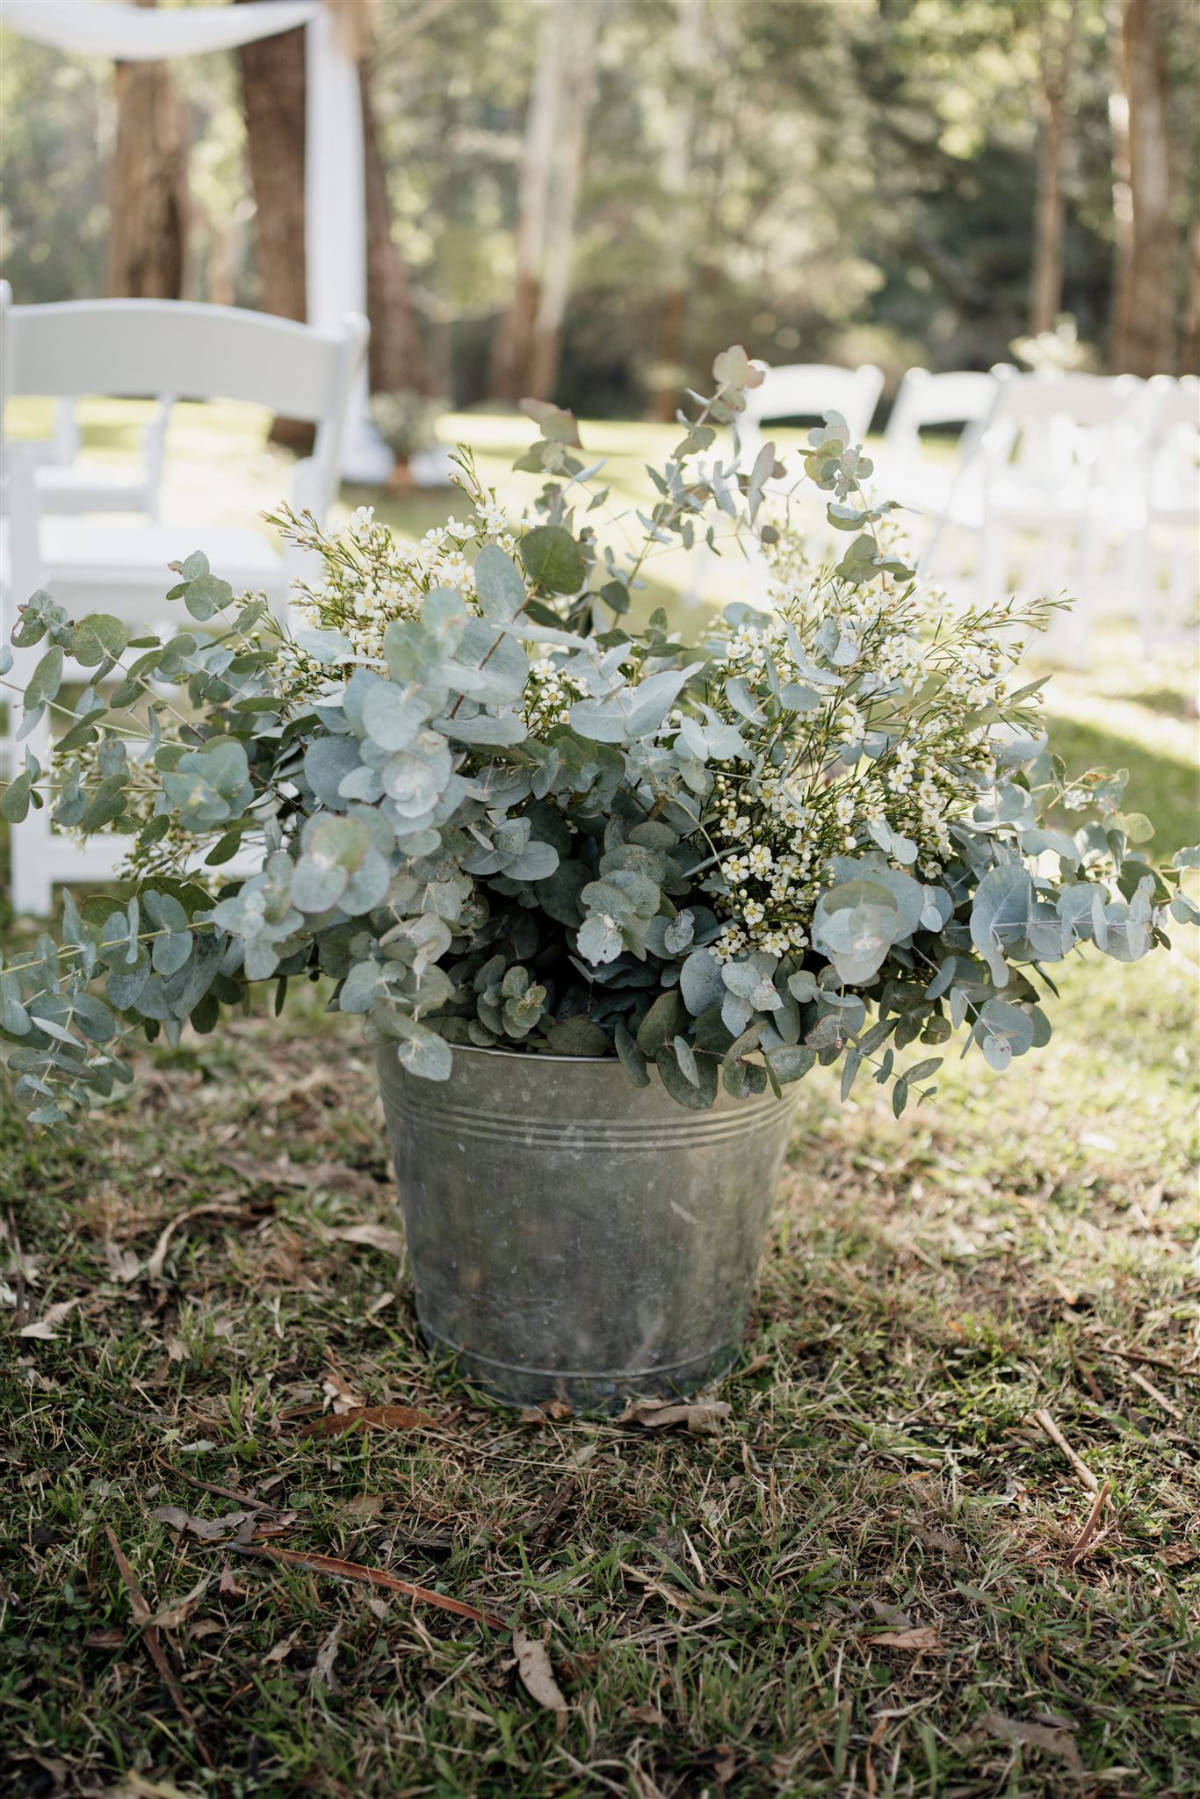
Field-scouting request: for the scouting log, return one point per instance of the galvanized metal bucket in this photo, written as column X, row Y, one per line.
column 575, row 1237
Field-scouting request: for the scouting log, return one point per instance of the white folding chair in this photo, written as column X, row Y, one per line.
column 1038, row 489
column 908, row 473
column 809, row 390
column 142, row 349
column 1161, row 565
column 68, row 483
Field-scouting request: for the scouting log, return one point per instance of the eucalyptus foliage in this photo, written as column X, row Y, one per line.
column 465, row 791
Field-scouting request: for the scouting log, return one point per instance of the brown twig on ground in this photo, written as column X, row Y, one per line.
column 208, row 1486
column 1160, row 1398
column 376, row 1577
column 1046, row 1423
column 151, row 1636
column 1090, row 1527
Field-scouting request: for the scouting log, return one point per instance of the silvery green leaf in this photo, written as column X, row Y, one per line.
column 652, row 699
column 802, row 986
column 941, row 979
column 796, row 697
column 325, row 646
column 598, row 940
column 577, row 1037
column 16, row 798
column 750, row 977
column 1000, row 916
column 679, row 934
column 171, row 953
column 632, row 1059
column 791, row 1062
column 533, row 864
column 1185, row 909
column 552, row 559
column 390, row 717
column 1004, row 1031
column 97, row 638
column 602, row 721
column 14, row 1017
column 1081, row 909
column 327, row 762
column 700, row 982
column 666, row 1019
column 742, row 700
column 736, row 1013
column 1127, row 938
column 363, row 986
column 46, row 679
column 206, row 594
column 1187, row 858
column 686, row 1059
column 367, row 886
column 421, row 1051
column 498, row 583
column 698, row 1094
column 485, row 728
column 938, row 909
column 413, row 779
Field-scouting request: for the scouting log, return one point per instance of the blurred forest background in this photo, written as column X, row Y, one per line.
column 584, row 199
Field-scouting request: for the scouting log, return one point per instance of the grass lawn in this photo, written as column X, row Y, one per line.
column 880, row 1576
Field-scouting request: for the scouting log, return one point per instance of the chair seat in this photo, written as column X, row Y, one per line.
column 90, row 487
column 119, row 568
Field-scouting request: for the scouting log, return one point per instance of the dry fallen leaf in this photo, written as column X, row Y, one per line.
column 924, row 1638
column 375, row 1236
column 228, row 1584
column 340, row 1393
column 43, row 1328
column 1053, row 1740
column 365, row 1507
column 172, row 1616
column 704, row 1417
column 367, row 1417
column 281, row 1651
column 209, row 1530
column 376, row 1577
column 322, row 1668
column 537, row 1675
column 158, row 1257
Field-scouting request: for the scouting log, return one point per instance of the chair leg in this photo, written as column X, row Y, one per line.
column 29, row 843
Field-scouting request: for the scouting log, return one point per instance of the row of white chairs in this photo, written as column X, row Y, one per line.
column 88, row 562
column 1056, row 483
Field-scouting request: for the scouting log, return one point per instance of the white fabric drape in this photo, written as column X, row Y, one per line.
column 335, row 195
column 150, row 34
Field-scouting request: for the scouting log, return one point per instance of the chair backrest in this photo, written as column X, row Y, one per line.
column 954, row 397
column 1046, row 425
column 144, row 348
column 1084, row 400
column 1170, row 458
column 809, row 389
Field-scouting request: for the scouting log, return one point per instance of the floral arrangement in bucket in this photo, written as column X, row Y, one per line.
column 494, row 814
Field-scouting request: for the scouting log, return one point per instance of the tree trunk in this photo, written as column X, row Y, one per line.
column 577, row 91
column 395, row 356
column 1189, row 350
column 1145, row 344
column 273, row 99
column 148, row 185
column 1122, row 197
column 677, row 174
column 273, row 89
column 512, row 347
column 1045, row 296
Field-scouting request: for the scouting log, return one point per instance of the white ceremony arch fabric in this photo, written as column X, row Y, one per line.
column 335, row 194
